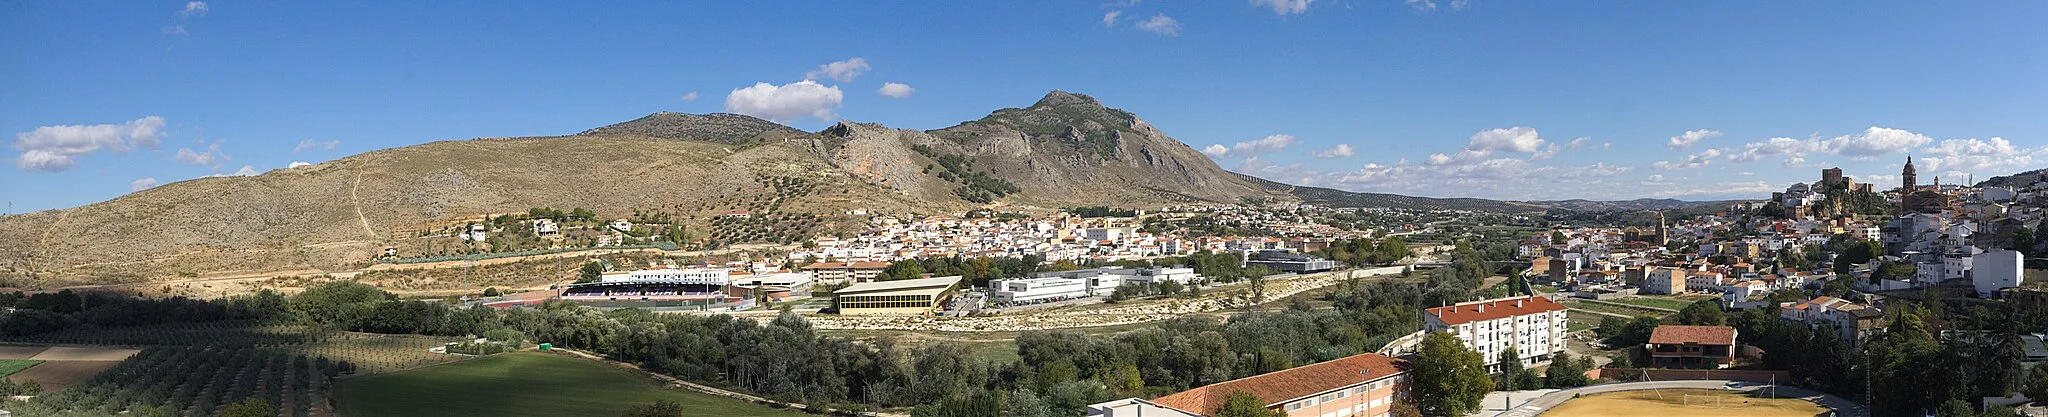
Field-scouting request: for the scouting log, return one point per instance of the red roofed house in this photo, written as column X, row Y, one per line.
column 1692, row 346
column 1364, row 385
column 1534, row 326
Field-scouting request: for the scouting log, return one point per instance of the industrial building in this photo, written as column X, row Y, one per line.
column 1287, row 261
column 901, row 297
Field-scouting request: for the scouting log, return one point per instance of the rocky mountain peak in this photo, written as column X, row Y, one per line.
column 1058, row 98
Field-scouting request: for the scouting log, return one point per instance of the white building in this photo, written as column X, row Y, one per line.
column 1744, row 294
column 545, row 228
column 1534, row 326
column 1021, row 290
column 709, row 276
column 1996, row 270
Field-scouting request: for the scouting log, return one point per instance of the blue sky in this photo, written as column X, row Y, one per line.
column 1511, row 100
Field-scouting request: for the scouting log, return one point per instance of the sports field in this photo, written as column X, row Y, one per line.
column 1684, row 403
column 525, row 384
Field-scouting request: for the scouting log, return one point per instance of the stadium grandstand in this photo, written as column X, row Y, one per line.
column 685, row 284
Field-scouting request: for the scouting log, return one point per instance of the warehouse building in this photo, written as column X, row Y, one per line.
column 902, row 297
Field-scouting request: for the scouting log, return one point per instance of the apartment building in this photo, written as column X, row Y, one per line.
column 1534, row 326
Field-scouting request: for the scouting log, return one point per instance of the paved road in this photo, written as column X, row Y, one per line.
column 1532, row 403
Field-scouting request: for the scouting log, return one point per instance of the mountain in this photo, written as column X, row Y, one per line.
column 1629, row 205
column 1064, row 150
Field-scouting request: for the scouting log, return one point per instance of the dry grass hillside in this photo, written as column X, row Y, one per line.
column 337, row 215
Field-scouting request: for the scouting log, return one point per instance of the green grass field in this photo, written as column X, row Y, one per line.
column 10, row 366
column 1665, row 302
column 525, row 384
column 1614, row 309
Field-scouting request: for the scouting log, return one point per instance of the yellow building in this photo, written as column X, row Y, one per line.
column 904, row 297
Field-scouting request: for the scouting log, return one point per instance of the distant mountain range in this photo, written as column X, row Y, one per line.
column 1064, row 150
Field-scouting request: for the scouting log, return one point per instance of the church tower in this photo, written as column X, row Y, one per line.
column 1911, row 178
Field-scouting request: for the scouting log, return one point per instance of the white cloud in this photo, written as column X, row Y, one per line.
column 842, row 71
column 692, row 96
column 1109, row 19
column 1161, row 24
column 1974, row 155
column 1870, row 143
column 44, row 161
column 189, row 157
column 1284, row 7
column 194, row 8
column 1690, row 137
column 175, row 30
column 1698, row 160
column 51, row 148
column 246, row 171
column 296, row 164
column 1339, row 151
column 1253, row 147
column 1460, row 4
column 896, row 90
column 1514, row 139
column 140, row 184
column 1575, row 143
column 1422, row 5
column 786, row 102
column 309, row 144
column 1216, row 150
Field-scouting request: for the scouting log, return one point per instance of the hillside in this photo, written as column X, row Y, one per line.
column 2016, row 181
column 1064, row 150
column 340, row 213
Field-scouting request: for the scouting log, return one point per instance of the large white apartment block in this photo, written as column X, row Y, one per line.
column 1534, row 326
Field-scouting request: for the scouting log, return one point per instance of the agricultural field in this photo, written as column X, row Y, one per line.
column 525, row 383
column 193, row 381
column 1684, row 403
column 224, row 333
column 10, row 366
column 377, row 353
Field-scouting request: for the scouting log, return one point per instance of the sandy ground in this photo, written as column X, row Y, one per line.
column 56, row 375
column 67, row 353
column 20, row 352
column 1673, row 403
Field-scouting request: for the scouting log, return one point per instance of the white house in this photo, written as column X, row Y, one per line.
column 1996, row 270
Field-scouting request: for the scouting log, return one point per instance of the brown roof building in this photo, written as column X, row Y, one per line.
column 1365, row 384
column 1692, row 346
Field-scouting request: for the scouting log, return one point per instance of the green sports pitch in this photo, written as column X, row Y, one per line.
column 525, row 384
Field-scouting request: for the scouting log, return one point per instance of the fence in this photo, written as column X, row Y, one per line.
column 1636, row 374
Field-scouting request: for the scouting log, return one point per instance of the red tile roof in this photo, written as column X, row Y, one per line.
column 1705, row 335
column 1494, row 309
column 1284, row 385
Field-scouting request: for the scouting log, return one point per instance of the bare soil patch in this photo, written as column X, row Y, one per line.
column 70, row 353
column 55, row 376
column 19, row 352
column 1684, row 403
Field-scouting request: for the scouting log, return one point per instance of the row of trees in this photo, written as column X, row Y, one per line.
column 1366, row 252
